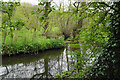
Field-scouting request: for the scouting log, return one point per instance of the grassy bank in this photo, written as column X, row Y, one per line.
column 27, row 41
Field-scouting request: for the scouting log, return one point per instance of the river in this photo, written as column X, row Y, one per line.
column 43, row 65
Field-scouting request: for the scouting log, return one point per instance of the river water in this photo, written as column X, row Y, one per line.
column 43, row 65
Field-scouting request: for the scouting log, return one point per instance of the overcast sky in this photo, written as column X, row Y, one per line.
column 35, row 2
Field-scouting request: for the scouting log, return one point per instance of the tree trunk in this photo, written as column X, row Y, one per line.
column 79, row 22
column 34, row 34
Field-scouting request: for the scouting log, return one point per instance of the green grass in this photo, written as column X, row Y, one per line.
column 25, row 41
column 0, row 41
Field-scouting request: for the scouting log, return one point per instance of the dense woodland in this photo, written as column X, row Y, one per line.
column 28, row 28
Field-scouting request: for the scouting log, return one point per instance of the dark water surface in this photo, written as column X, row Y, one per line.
column 43, row 65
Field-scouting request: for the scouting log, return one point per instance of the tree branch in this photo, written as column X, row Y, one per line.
column 3, row 11
column 111, row 7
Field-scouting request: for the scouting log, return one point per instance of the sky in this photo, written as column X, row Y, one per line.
column 35, row 2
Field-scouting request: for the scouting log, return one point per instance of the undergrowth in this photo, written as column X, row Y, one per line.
column 25, row 41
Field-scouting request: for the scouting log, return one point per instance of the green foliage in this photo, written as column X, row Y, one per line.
column 22, row 31
column 8, row 7
column 63, row 21
column 97, row 34
column 64, row 74
column 107, row 65
column 46, row 10
column 98, row 43
column 41, row 3
column 22, row 17
column 22, row 42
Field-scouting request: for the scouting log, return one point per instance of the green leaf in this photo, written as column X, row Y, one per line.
column 41, row 3
column 32, row 12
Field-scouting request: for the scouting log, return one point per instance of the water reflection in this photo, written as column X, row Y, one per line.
column 43, row 65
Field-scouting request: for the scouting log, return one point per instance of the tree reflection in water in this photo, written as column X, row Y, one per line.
column 44, row 65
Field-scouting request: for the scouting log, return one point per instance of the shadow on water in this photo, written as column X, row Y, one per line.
column 43, row 65
column 46, row 64
column 28, row 58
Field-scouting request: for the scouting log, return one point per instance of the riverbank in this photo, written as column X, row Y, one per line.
column 28, row 41
column 39, row 44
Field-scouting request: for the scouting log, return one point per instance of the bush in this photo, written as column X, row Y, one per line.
column 26, row 44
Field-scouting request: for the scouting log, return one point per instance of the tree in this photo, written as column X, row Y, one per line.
column 78, row 14
column 23, row 14
column 63, row 21
column 103, row 16
column 46, row 10
column 107, row 65
column 7, row 8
